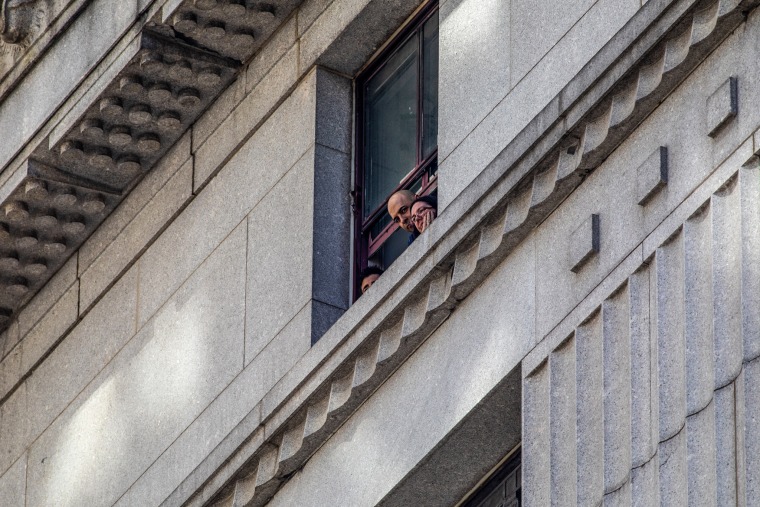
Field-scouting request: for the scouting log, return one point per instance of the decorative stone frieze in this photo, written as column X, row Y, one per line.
column 649, row 359
column 233, row 28
column 465, row 250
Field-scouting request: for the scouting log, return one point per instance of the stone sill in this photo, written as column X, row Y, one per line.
column 579, row 128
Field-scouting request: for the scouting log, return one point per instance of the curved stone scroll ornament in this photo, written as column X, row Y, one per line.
column 21, row 22
column 19, row 19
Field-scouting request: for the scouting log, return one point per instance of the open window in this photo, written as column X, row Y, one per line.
column 397, row 135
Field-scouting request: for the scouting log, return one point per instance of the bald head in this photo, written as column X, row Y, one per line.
column 399, row 208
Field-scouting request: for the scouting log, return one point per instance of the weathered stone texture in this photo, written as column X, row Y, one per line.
column 464, row 153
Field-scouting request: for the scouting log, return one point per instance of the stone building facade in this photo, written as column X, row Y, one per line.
column 178, row 319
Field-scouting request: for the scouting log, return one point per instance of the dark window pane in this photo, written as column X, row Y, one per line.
column 430, row 87
column 391, row 249
column 390, row 125
column 380, row 225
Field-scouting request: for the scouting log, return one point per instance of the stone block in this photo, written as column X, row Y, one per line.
column 227, row 199
column 645, row 484
column 308, row 12
column 562, row 419
column 222, row 144
column 38, row 342
column 282, row 40
column 334, row 114
column 616, row 333
column 474, row 74
column 749, row 181
column 701, row 451
column 590, row 411
column 152, row 390
column 671, row 354
column 349, row 32
column 538, row 27
column 218, row 111
column 137, row 199
column 225, row 425
column 13, row 483
column 332, row 227
column 673, row 478
column 125, row 247
column 698, row 318
column 67, row 370
column 751, row 431
column 652, row 175
column 280, row 255
column 722, row 105
column 47, row 297
column 725, row 446
column 620, row 497
column 536, row 457
column 326, row 28
column 584, row 243
column 727, row 283
column 644, row 419
column 323, row 316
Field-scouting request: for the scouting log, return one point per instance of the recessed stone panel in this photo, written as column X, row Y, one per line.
column 584, row 243
column 722, row 105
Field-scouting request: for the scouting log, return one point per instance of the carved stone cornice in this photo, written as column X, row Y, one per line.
column 95, row 156
column 543, row 165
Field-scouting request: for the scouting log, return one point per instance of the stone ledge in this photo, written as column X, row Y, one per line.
column 466, row 242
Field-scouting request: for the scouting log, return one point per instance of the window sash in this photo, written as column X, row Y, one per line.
column 422, row 174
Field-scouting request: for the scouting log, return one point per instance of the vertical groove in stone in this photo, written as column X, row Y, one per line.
column 617, row 391
column 562, row 424
column 749, row 181
column 535, row 458
column 673, row 470
column 643, row 371
column 700, row 436
column 725, row 444
column 698, row 323
column 645, row 486
column 752, row 432
column 590, row 411
column 727, row 246
column 671, row 352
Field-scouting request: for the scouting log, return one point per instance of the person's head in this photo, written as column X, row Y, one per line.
column 399, row 208
column 423, row 206
column 368, row 276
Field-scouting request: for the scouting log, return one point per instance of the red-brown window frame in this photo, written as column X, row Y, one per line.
column 363, row 244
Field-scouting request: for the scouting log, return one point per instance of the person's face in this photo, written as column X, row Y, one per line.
column 422, row 215
column 368, row 281
column 399, row 207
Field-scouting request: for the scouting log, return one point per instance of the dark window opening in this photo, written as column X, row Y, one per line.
column 502, row 489
column 397, row 136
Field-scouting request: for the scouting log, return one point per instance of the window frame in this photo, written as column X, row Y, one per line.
column 364, row 246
